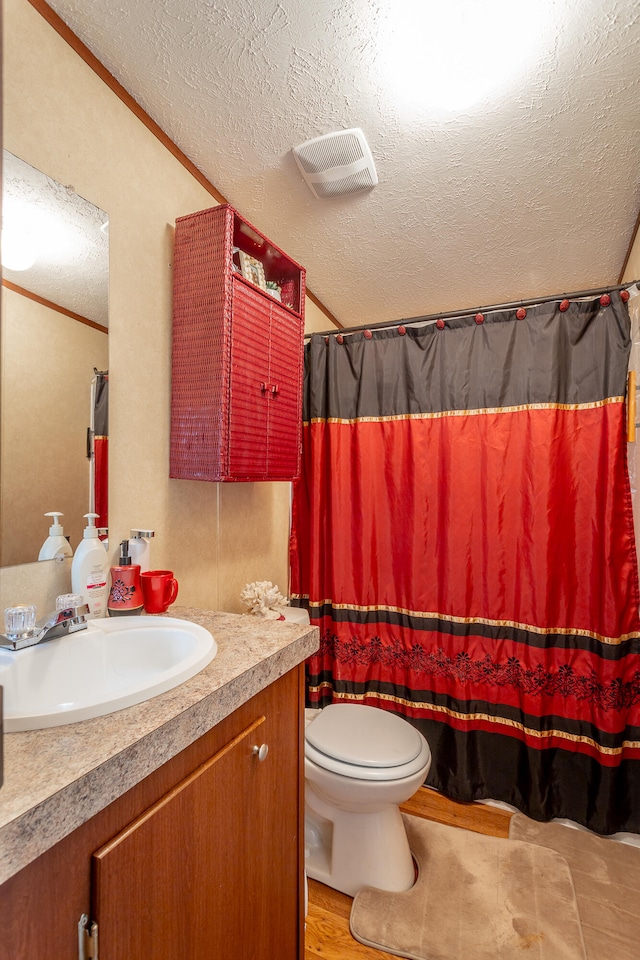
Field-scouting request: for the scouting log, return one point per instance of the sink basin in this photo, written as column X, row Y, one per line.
column 112, row 664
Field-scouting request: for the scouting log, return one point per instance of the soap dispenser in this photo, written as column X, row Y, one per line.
column 140, row 548
column 90, row 569
column 56, row 545
column 125, row 596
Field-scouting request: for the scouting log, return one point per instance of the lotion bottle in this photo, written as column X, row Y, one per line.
column 90, row 569
column 56, row 545
column 125, row 596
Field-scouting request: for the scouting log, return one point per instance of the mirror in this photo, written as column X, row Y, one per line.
column 53, row 337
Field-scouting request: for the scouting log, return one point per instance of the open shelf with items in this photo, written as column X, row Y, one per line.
column 236, row 406
column 251, row 251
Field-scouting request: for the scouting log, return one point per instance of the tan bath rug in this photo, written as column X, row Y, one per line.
column 476, row 898
column 606, row 877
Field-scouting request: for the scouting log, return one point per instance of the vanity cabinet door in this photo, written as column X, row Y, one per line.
column 193, row 875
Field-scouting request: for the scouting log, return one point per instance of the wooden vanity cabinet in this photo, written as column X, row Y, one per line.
column 237, row 352
column 203, row 859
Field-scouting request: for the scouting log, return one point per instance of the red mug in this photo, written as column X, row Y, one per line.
column 159, row 590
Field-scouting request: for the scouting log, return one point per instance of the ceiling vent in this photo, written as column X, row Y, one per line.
column 336, row 164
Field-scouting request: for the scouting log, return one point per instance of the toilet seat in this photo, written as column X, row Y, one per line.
column 365, row 743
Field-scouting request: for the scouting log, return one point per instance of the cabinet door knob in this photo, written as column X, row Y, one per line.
column 261, row 751
column 263, row 387
column 275, row 389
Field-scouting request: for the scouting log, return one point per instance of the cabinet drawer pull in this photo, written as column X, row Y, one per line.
column 275, row 389
column 261, row 751
column 263, row 387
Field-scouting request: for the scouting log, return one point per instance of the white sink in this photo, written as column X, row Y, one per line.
column 110, row 665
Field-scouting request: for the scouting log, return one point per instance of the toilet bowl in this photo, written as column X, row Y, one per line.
column 360, row 764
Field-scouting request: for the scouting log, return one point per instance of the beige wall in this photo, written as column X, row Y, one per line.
column 632, row 269
column 47, row 363
column 315, row 320
column 61, row 118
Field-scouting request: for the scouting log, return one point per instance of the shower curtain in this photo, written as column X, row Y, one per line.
column 463, row 536
column 100, row 447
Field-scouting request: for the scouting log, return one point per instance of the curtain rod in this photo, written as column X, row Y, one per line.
column 432, row 317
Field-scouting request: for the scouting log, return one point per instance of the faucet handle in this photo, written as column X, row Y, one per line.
column 67, row 600
column 20, row 621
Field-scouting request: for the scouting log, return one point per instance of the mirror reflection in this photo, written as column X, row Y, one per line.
column 53, row 346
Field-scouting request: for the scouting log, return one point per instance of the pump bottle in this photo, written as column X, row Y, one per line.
column 90, row 569
column 140, row 548
column 125, row 596
column 56, row 545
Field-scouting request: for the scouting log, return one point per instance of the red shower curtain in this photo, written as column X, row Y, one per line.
column 101, row 448
column 463, row 536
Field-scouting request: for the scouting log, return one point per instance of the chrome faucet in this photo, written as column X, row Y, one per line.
column 57, row 624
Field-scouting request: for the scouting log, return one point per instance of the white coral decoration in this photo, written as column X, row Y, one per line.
column 261, row 597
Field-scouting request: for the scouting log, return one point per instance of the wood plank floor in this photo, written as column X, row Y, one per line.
column 327, row 933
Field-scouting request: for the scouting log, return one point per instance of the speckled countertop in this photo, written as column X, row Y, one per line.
column 56, row 779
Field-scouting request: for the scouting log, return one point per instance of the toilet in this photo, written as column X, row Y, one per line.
column 360, row 764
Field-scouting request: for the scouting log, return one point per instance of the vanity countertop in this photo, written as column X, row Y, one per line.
column 58, row 778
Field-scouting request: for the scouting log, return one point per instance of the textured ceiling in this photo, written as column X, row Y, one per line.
column 531, row 189
column 67, row 235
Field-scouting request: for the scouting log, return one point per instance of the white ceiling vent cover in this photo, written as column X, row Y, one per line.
column 336, row 164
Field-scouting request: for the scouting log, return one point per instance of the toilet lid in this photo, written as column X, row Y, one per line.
column 363, row 736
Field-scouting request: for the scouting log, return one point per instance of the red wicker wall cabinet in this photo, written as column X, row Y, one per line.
column 236, row 398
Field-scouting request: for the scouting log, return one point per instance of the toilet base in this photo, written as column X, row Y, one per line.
column 348, row 851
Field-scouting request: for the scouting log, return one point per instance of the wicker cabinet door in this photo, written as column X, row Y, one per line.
column 265, row 397
column 249, row 380
column 285, row 400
